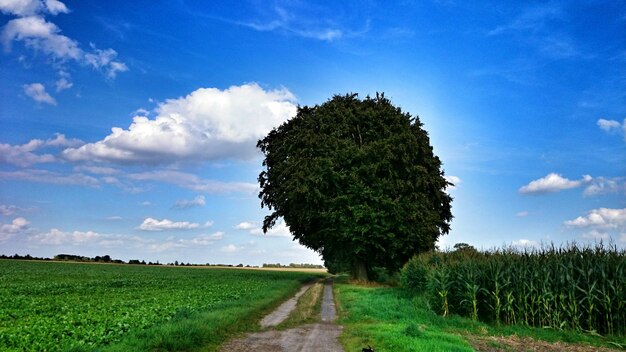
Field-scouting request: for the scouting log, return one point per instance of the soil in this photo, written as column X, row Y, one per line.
column 321, row 336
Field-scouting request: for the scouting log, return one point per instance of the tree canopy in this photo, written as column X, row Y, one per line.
column 357, row 181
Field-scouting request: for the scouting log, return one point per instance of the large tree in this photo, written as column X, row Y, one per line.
column 357, row 181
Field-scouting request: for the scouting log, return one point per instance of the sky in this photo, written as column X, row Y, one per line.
column 128, row 128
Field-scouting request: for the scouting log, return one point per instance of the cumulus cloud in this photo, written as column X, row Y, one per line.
column 553, row 183
column 151, row 224
column 198, row 201
column 31, row 7
column 208, row 124
column 600, row 224
column 42, row 36
column 279, row 230
column 601, row 218
column 16, row 226
column 60, row 140
column 23, row 155
column 38, row 93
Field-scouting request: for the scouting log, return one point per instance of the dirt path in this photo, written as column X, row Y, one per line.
column 311, row 337
column 282, row 312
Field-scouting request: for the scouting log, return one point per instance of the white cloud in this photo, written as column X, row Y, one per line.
column 98, row 170
column 31, row 7
column 114, row 218
column 603, row 185
column 61, row 141
column 38, row 93
column 245, row 226
column 523, row 242
column 280, row 229
column 522, row 214
column 44, row 176
column 105, row 59
column 63, row 84
column 42, row 36
column 8, row 210
column 610, row 126
column 55, row 7
column 553, row 183
column 193, row 182
column 93, row 239
column 203, row 240
column 198, row 201
column 601, row 218
column 231, row 248
column 20, row 7
column 151, row 224
column 16, row 226
column 208, row 124
column 22, row 155
column 596, row 235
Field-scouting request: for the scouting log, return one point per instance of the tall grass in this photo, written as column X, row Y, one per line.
column 578, row 288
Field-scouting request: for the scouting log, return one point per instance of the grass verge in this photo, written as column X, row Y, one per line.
column 307, row 309
column 389, row 320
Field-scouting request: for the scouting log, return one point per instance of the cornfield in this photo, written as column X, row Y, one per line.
column 579, row 288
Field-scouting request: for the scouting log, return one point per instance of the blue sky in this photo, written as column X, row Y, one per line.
column 128, row 128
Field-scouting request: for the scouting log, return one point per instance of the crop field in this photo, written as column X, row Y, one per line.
column 574, row 288
column 52, row 306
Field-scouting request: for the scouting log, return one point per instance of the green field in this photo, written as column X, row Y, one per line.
column 53, row 306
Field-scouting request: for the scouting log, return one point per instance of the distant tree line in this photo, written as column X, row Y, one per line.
column 294, row 265
column 108, row 259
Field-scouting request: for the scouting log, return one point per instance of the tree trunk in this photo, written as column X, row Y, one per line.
column 359, row 270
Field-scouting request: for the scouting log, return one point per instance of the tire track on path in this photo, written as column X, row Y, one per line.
column 323, row 336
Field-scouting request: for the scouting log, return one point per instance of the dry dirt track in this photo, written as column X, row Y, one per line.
column 311, row 337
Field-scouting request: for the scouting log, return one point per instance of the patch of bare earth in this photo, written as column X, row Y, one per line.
column 322, row 336
column 516, row 343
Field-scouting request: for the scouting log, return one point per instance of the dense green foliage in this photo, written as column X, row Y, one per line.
column 357, row 181
column 48, row 306
column 562, row 288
